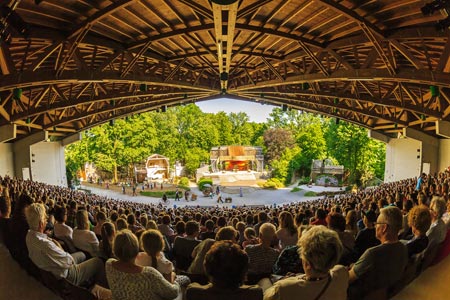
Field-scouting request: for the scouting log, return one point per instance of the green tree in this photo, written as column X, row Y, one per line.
column 276, row 141
column 352, row 147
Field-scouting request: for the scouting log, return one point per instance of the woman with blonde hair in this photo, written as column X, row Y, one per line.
column 83, row 238
column 152, row 241
column 320, row 250
column 129, row 281
column 108, row 233
column 287, row 231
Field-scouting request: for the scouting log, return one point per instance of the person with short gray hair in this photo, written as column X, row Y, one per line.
column 48, row 255
column 262, row 256
column 438, row 230
column 320, row 250
column 383, row 265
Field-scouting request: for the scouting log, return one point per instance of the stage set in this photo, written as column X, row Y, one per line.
column 233, row 166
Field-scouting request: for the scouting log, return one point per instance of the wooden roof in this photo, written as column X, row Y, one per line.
column 74, row 64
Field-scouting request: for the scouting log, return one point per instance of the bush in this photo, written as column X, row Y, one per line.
column 273, row 183
column 310, row 194
column 184, row 181
column 201, row 183
column 158, row 194
column 304, row 180
column 296, row 189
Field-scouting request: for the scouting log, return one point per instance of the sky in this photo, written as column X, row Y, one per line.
column 257, row 112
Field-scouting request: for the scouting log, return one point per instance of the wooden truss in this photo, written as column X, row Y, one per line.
column 379, row 64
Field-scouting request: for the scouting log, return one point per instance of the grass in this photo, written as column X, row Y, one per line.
column 310, row 194
column 158, row 194
column 296, row 189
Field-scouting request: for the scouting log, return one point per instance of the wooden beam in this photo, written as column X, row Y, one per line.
column 175, row 70
column 407, row 54
column 135, row 59
column 99, row 15
column 341, row 9
column 6, row 62
column 377, row 44
column 272, row 68
column 314, row 58
column 200, row 9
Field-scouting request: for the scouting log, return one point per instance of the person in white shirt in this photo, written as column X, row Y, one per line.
column 83, row 238
column 48, row 255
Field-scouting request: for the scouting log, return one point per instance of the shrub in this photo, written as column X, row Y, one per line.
column 203, row 181
column 304, row 180
column 158, row 194
column 310, row 194
column 184, row 181
column 296, row 189
column 273, row 183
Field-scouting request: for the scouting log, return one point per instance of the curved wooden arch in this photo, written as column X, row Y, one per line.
column 83, row 62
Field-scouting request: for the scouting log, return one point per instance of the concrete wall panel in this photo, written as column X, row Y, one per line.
column 48, row 163
column 6, row 160
column 403, row 159
column 444, row 154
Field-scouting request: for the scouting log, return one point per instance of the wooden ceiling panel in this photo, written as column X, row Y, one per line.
column 370, row 62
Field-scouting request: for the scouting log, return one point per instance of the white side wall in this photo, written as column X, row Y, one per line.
column 48, row 163
column 6, row 160
column 444, row 154
column 403, row 159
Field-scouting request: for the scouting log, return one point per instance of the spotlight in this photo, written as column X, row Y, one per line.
column 430, row 8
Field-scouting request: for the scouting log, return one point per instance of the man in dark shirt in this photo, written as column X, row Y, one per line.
column 366, row 237
column 383, row 265
column 183, row 246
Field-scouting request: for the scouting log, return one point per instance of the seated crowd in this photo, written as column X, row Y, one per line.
column 348, row 246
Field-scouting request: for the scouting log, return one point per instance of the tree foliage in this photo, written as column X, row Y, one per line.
column 290, row 141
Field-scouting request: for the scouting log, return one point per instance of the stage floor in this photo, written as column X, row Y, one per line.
column 251, row 196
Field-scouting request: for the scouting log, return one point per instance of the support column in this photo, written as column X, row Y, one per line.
column 429, row 149
column 443, row 128
column 71, row 139
column 22, row 154
column 379, row 136
column 8, row 132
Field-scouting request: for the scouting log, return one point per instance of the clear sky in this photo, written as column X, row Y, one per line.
column 256, row 111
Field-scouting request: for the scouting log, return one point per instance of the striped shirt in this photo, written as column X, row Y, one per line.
column 261, row 259
column 46, row 255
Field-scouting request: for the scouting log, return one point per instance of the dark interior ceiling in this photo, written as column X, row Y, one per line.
column 70, row 65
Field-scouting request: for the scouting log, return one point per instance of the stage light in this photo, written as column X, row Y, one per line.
column 430, row 8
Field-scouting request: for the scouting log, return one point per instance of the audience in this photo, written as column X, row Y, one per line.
column 183, row 246
column 262, row 256
column 129, row 281
column 48, row 255
column 366, row 237
column 342, row 213
column 438, row 230
column 380, row 267
column 226, row 267
column 419, row 219
column 287, row 231
column 320, row 250
column 84, row 239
